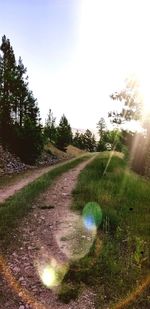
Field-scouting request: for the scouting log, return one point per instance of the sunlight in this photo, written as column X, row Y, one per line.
column 111, row 43
column 50, row 271
column 48, row 276
column 146, row 94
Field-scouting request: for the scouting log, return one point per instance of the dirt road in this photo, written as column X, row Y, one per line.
column 49, row 235
column 24, row 179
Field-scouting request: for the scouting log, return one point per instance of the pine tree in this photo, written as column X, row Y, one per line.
column 85, row 141
column 89, row 141
column 101, row 126
column 7, row 96
column 50, row 127
column 77, row 140
column 19, row 112
column 31, row 141
column 21, row 92
column 64, row 134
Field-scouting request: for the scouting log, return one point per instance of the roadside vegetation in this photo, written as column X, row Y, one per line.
column 119, row 260
column 23, row 134
column 16, row 207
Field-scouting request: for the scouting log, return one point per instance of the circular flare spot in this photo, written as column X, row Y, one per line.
column 48, row 276
column 75, row 240
column 50, row 271
column 92, row 215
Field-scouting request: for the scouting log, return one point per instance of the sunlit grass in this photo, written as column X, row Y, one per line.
column 120, row 264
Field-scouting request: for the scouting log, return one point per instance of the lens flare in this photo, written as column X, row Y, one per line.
column 48, row 276
column 51, row 272
column 92, row 216
column 76, row 240
column 89, row 222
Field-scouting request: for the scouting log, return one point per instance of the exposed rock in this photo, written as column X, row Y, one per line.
column 10, row 163
column 16, row 269
column 47, row 159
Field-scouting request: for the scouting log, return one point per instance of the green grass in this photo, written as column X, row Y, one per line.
column 10, row 179
column 120, row 257
column 16, row 207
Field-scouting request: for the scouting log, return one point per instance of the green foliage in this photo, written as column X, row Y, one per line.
column 120, row 256
column 110, row 220
column 63, row 134
column 78, row 140
column 101, row 126
column 31, row 142
column 50, row 128
column 7, row 83
column 112, row 138
column 132, row 101
column 139, row 247
column 89, row 141
column 19, row 113
column 85, row 141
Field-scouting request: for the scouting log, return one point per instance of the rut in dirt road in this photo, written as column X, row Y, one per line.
column 44, row 244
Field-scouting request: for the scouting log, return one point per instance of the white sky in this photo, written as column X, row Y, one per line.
column 110, row 39
column 113, row 41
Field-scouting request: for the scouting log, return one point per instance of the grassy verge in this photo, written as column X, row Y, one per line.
column 15, row 208
column 119, row 259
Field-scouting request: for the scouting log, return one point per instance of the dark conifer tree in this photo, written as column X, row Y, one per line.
column 21, row 92
column 64, row 134
column 20, row 127
column 8, row 100
column 50, row 128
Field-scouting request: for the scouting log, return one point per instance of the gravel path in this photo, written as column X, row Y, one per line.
column 46, row 243
column 10, row 189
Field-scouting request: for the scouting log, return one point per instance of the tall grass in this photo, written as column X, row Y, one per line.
column 117, row 267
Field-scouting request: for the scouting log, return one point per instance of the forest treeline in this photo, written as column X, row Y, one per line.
column 22, row 133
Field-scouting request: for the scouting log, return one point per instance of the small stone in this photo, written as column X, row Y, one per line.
column 64, row 194
column 14, row 254
column 16, row 269
column 22, row 307
column 30, row 248
column 21, row 279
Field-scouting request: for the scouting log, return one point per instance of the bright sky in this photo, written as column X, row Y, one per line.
column 78, row 52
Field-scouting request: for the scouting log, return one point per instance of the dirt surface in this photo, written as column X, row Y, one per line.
column 18, row 183
column 50, row 237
